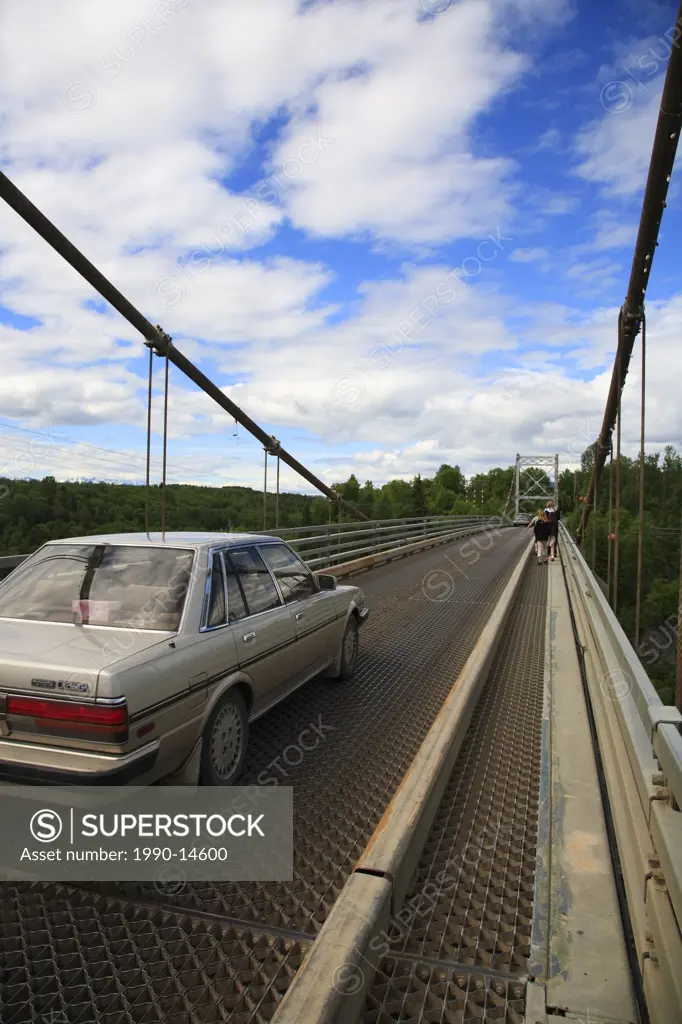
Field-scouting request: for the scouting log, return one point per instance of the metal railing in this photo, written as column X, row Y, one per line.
column 332, row 544
column 640, row 747
column 342, row 542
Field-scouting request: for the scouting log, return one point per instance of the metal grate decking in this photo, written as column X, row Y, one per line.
column 427, row 612
column 462, row 943
column 413, row 649
column 69, row 957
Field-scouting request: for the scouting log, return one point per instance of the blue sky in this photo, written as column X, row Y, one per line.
column 293, row 192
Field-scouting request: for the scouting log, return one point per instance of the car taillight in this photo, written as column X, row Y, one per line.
column 77, row 721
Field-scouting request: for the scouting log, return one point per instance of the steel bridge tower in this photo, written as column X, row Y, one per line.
column 533, row 487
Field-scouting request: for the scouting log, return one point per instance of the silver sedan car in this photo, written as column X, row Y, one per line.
column 127, row 658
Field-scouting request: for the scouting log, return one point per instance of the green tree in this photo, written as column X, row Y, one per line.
column 419, row 506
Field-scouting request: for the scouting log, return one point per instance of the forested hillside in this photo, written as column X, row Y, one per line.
column 34, row 511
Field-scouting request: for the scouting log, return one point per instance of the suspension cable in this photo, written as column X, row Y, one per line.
column 155, row 337
column 149, row 442
column 640, row 537
column 265, row 490
column 616, row 551
column 653, row 206
column 165, row 447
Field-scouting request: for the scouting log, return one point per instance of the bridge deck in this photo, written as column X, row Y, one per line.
column 464, row 946
column 134, row 953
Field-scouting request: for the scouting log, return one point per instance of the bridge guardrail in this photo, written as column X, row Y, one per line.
column 333, row 544
column 640, row 746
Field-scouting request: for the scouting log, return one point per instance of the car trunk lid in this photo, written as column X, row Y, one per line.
column 64, row 660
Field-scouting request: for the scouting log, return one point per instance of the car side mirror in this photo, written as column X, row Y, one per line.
column 326, row 582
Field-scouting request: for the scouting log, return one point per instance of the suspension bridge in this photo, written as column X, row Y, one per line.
column 489, row 827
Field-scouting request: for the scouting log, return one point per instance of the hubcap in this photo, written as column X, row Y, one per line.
column 350, row 646
column 226, row 741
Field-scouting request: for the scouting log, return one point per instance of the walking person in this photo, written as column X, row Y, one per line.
column 553, row 516
column 542, row 530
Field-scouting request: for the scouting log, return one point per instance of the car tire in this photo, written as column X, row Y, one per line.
column 349, row 649
column 225, row 740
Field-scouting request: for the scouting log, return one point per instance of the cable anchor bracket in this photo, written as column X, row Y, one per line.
column 161, row 343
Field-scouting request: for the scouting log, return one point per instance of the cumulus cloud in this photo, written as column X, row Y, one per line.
column 615, row 150
column 528, row 255
column 176, row 144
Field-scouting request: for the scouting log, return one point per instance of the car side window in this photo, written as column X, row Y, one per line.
column 236, row 608
column 295, row 579
column 216, row 606
column 256, row 582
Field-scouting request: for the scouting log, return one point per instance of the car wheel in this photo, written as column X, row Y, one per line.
column 349, row 649
column 224, row 742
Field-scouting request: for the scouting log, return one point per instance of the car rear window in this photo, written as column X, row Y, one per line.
column 100, row 585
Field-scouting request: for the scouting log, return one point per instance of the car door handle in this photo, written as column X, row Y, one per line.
column 299, row 616
column 248, row 636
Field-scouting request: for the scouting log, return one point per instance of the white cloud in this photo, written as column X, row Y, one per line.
column 137, row 179
column 528, row 255
column 615, row 150
column 612, row 232
column 400, row 167
column 412, row 413
column 537, row 411
column 549, row 140
column 126, row 128
column 595, row 275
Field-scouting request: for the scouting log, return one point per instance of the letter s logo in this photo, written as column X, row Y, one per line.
column 46, row 826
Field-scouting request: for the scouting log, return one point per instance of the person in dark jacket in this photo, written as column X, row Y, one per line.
column 542, row 529
column 553, row 516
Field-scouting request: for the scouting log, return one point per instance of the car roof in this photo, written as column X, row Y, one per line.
column 172, row 540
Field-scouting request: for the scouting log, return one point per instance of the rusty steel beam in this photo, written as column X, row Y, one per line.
column 660, row 172
column 155, row 337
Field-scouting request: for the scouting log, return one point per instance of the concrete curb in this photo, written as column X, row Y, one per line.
column 332, row 983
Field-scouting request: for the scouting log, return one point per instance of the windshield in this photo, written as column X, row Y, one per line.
column 100, row 585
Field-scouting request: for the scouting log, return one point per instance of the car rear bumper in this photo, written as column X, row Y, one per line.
column 31, row 764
